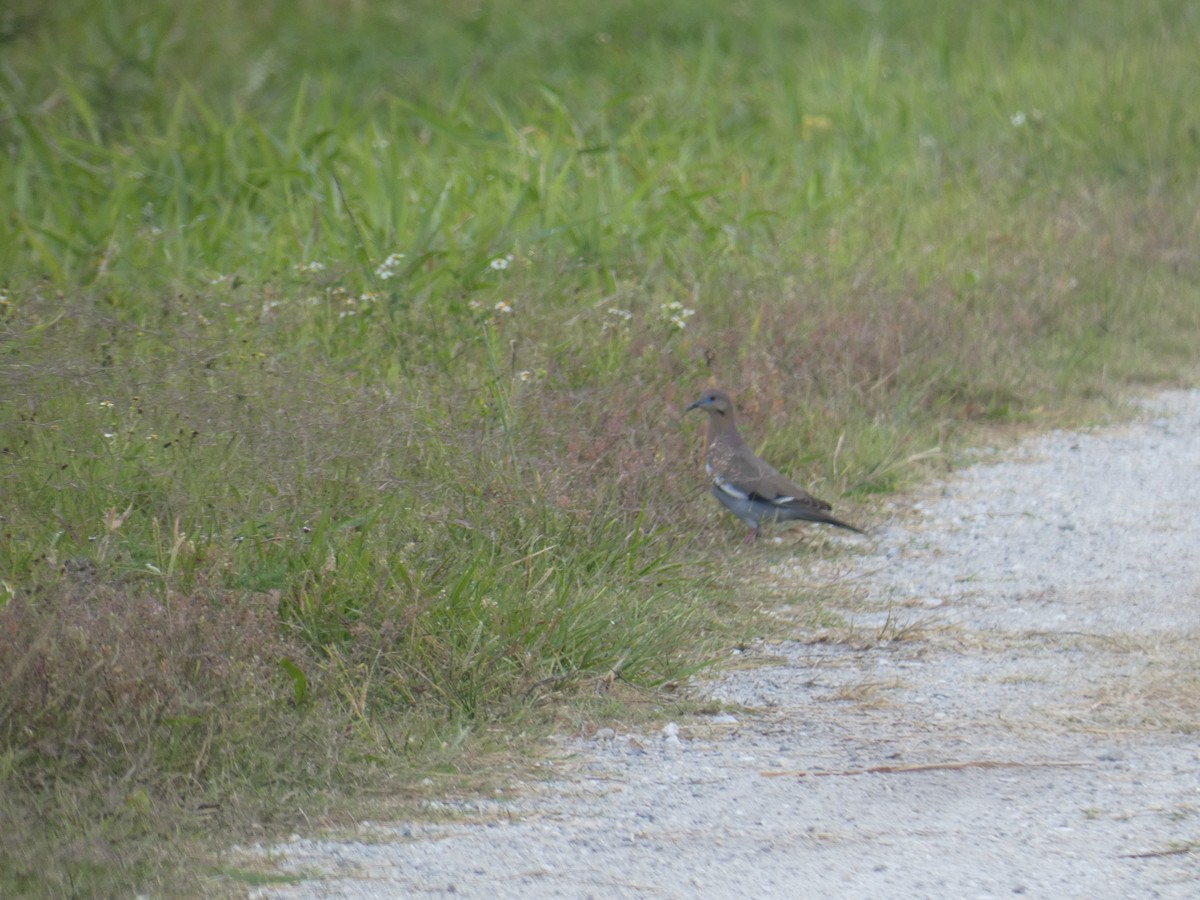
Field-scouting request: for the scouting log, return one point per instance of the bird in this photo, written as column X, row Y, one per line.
column 746, row 484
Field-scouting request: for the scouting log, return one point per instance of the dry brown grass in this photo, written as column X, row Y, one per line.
column 1156, row 688
column 130, row 712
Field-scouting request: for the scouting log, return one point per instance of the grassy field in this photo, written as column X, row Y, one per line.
column 344, row 345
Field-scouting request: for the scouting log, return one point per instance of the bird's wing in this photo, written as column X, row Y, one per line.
column 747, row 476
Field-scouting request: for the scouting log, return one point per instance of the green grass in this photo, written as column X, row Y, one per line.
column 344, row 345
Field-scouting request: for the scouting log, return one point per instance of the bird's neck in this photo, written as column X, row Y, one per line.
column 723, row 431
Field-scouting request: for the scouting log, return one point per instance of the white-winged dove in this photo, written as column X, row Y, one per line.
column 745, row 483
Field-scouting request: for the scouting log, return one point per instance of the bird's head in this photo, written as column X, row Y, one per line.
column 716, row 402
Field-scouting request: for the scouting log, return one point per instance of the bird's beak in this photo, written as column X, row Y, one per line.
column 699, row 404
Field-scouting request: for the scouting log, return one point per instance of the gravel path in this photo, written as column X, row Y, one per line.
column 1011, row 710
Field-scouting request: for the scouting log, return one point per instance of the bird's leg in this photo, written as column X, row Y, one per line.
column 753, row 535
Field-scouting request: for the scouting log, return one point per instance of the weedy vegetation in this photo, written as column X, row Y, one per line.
column 343, row 347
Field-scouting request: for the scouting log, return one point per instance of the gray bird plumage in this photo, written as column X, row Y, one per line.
column 745, row 483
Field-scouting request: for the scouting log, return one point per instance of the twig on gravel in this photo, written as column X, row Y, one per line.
column 1151, row 854
column 925, row 767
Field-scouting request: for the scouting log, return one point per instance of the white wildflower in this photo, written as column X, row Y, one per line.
column 500, row 263
column 1018, row 118
column 389, row 266
column 502, row 307
column 311, row 267
column 677, row 314
column 616, row 318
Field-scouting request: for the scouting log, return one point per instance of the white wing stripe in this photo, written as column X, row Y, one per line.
column 730, row 489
